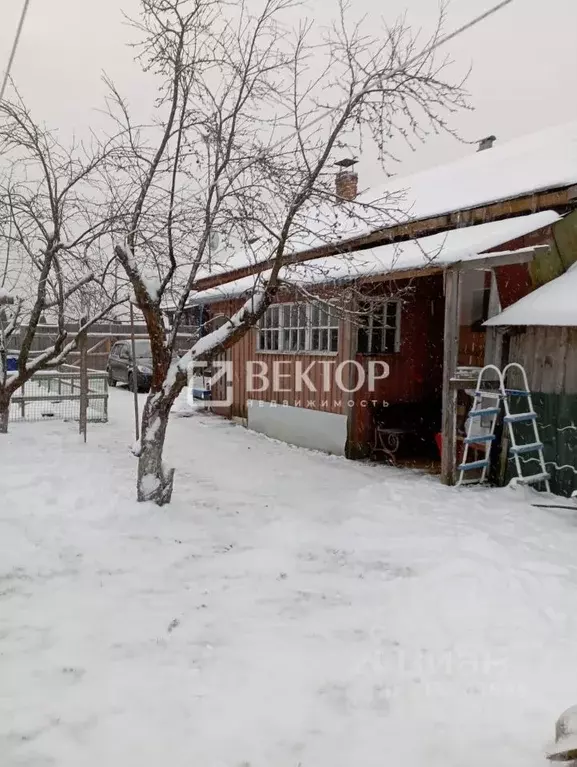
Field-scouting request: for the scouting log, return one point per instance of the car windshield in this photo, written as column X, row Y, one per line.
column 142, row 349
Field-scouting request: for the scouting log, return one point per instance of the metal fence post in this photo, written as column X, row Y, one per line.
column 83, row 419
column 134, row 373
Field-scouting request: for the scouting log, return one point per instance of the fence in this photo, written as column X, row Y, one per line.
column 57, row 395
column 99, row 340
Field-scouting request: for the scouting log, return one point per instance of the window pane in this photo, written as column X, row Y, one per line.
column 275, row 336
column 286, row 344
column 323, row 317
column 334, row 340
column 314, row 340
column 287, row 316
column 314, row 315
column 392, row 314
column 302, row 316
column 390, row 340
column 274, row 316
column 376, row 344
column 324, row 341
column 302, row 340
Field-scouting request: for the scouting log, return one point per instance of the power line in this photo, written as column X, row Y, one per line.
column 14, row 47
column 442, row 41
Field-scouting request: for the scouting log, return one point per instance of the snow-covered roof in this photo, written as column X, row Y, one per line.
column 543, row 160
column 553, row 304
column 438, row 250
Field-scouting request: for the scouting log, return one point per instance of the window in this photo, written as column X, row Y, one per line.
column 475, row 297
column 324, row 329
column 380, row 328
column 299, row 328
column 124, row 353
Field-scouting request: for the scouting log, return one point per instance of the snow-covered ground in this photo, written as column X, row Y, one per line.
column 287, row 609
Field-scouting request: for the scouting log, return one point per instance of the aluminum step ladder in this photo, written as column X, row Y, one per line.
column 480, row 434
column 481, row 424
column 529, row 416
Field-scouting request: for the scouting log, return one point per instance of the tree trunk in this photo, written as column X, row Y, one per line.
column 4, row 412
column 155, row 480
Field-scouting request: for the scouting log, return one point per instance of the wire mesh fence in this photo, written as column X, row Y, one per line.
column 56, row 395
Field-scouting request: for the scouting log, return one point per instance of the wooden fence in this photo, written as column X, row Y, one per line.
column 100, row 339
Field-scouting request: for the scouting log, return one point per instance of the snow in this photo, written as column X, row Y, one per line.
column 439, row 250
column 566, row 734
column 149, row 483
column 152, row 286
column 287, row 608
column 553, row 304
column 153, row 430
column 543, row 160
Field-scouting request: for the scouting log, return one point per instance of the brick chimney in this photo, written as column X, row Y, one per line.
column 486, row 143
column 347, row 180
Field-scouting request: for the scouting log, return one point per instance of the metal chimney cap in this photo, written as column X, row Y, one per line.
column 487, row 143
column 348, row 162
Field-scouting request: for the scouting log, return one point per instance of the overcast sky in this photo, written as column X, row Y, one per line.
column 524, row 63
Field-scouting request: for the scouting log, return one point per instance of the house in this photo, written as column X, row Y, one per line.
column 396, row 315
column 540, row 332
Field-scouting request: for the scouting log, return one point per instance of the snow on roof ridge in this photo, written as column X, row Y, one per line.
column 544, row 159
column 497, row 147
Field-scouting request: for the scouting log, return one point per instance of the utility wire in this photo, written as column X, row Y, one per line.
column 14, row 47
column 442, row 41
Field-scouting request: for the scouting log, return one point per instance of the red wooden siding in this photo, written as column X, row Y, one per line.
column 244, row 353
column 416, row 371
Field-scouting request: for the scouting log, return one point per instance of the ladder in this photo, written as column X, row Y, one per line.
column 481, row 424
column 515, row 419
column 487, row 405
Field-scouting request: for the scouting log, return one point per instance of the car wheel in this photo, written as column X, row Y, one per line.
column 111, row 379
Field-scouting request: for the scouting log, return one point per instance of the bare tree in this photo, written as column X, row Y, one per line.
column 248, row 120
column 50, row 228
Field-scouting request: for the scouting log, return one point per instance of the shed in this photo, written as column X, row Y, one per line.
column 540, row 333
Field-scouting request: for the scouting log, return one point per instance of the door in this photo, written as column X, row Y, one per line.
column 113, row 362
column 124, row 363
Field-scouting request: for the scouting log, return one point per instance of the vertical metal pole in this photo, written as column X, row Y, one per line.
column 82, row 343
column 134, row 373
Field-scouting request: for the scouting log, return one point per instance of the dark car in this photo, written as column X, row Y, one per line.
column 121, row 369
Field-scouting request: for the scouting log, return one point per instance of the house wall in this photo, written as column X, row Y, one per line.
column 314, row 418
column 416, row 371
column 514, row 282
column 549, row 355
column 244, row 354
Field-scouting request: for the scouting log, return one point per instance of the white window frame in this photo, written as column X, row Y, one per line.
column 290, row 331
column 382, row 309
